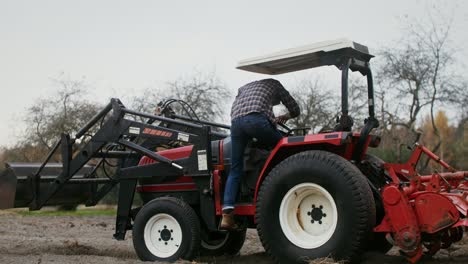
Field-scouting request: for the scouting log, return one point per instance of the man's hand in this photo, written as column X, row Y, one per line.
column 157, row 111
column 282, row 119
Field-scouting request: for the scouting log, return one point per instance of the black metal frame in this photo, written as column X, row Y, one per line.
column 117, row 130
column 345, row 122
column 351, row 59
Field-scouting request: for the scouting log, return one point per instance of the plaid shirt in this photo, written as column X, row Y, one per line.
column 260, row 96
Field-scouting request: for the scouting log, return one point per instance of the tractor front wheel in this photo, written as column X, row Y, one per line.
column 314, row 204
column 166, row 229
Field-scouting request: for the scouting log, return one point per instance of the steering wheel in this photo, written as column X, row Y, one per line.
column 288, row 131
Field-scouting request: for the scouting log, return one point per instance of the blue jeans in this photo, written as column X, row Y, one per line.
column 254, row 125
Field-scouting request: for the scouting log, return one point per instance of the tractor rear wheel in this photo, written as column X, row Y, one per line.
column 314, row 204
column 166, row 229
column 221, row 243
column 372, row 168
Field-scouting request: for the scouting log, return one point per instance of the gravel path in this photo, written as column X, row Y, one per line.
column 88, row 239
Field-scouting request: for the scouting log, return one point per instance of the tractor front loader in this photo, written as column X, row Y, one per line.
column 113, row 135
column 312, row 196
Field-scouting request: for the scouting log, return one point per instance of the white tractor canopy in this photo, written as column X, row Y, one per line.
column 310, row 56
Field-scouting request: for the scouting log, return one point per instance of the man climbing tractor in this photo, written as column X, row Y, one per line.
column 252, row 117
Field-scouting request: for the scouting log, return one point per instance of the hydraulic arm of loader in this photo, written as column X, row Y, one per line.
column 117, row 131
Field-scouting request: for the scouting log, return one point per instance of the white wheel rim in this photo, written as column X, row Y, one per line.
column 308, row 215
column 163, row 235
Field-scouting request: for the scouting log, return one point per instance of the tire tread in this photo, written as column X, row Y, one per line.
column 349, row 172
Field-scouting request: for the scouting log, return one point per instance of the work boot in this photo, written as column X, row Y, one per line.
column 228, row 222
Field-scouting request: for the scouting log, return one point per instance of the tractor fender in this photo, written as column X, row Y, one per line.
column 295, row 144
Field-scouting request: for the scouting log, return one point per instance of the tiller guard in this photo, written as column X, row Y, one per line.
column 423, row 210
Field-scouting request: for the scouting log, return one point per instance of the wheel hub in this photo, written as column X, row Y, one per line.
column 316, row 214
column 308, row 215
column 163, row 235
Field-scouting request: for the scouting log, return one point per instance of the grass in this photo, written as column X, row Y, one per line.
column 79, row 212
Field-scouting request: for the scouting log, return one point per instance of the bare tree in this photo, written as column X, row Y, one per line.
column 358, row 103
column 420, row 69
column 65, row 112
column 317, row 106
column 205, row 93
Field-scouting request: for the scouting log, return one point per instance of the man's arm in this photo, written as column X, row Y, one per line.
column 288, row 101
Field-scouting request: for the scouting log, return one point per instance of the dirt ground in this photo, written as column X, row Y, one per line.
column 88, row 239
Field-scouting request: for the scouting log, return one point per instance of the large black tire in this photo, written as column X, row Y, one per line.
column 372, row 167
column 314, row 204
column 166, row 229
column 221, row 243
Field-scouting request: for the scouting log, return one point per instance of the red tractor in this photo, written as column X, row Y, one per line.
column 312, row 196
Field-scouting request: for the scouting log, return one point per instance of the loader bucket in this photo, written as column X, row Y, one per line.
column 17, row 188
column 8, row 183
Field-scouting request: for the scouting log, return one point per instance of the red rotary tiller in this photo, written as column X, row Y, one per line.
column 428, row 210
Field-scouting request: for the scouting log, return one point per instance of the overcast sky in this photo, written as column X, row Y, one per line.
column 123, row 47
